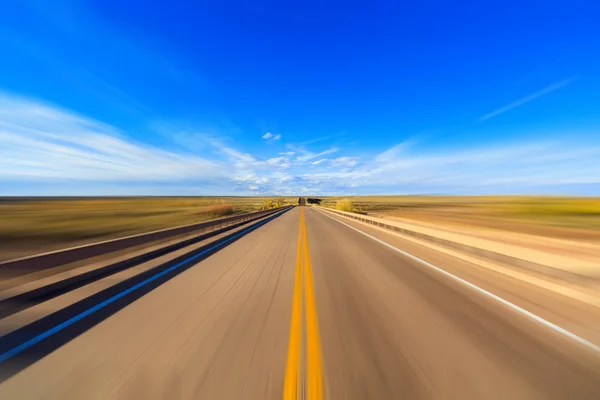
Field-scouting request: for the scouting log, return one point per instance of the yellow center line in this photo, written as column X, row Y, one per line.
column 313, row 341
column 292, row 370
column 314, row 369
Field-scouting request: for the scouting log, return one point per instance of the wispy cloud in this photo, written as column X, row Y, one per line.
column 50, row 150
column 316, row 140
column 338, row 162
column 234, row 154
column 526, row 167
column 547, row 90
column 321, row 139
column 275, row 162
column 394, row 152
column 308, row 155
column 344, row 162
column 40, row 141
column 271, row 136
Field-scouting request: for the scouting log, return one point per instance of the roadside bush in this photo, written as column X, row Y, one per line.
column 344, row 205
column 220, row 209
column 272, row 203
column 267, row 204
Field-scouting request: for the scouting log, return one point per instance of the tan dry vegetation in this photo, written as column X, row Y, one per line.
column 34, row 225
column 274, row 203
column 576, row 218
column 344, row 205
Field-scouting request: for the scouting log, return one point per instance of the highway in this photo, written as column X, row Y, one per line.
column 308, row 305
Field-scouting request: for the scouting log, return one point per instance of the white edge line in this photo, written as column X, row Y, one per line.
column 499, row 299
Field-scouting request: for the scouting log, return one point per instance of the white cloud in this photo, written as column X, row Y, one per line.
column 246, row 177
column 271, row 136
column 235, row 155
column 307, row 155
column 338, row 162
column 56, row 151
column 516, row 168
column 344, row 162
column 394, row 152
column 281, row 162
column 527, row 99
column 39, row 141
column 319, row 139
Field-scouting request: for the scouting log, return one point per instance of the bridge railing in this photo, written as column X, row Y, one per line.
column 30, row 264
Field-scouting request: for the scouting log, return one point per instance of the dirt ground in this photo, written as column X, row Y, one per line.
column 567, row 218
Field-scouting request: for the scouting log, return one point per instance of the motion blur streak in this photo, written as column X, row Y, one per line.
column 45, row 335
column 313, row 341
column 514, row 307
column 242, row 324
column 292, row 373
column 314, row 369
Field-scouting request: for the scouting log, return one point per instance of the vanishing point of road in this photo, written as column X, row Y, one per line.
column 315, row 306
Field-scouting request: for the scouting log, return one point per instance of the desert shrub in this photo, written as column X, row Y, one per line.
column 267, row 204
column 272, row 203
column 344, row 205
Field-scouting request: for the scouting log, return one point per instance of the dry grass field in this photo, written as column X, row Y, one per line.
column 576, row 218
column 34, row 225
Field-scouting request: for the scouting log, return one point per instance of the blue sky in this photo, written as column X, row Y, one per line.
column 316, row 97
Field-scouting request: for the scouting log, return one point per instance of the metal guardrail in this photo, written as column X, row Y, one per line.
column 476, row 251
column 30, row 264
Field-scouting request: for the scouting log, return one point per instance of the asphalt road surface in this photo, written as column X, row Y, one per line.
column 308, row 307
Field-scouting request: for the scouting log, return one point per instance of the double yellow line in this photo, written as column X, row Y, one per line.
column 304, row 290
